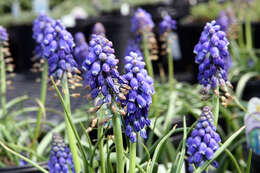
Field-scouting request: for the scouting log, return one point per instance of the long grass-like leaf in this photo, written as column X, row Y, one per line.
column 181, row 160
column 249, row 161
column 85, row 161
column 242, row 83
column 158, row 148
column 220, row 150
column 24, row 158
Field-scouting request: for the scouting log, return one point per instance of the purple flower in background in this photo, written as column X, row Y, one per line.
column 81, row 49
column 99, row 29
column 203, row 142
column 226, row 19
column 142, row 21
column 3, row 36
column 132, row 46
column 60, row 156
column 100, row 70
column 138, row 98
column 212, row 56
column 39, row 26
column 168, row 24
column 58, row 45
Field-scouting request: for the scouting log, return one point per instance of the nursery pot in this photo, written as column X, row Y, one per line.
column 251, row 89
column 24, row 169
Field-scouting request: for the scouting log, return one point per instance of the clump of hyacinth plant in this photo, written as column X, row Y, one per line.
column 6, row 68
column 58, row 49
column 203, row 142
column 137, row 102
column 166, row 27
column 212, row 57
column 104, row 83
column 60, row 156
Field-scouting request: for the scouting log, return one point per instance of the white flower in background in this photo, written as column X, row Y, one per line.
column 252, row 122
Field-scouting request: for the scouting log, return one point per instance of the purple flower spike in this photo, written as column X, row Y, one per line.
column 60, row 156
column 81, row 49
column 39, row 26
column 226, row 19
column 167, row 25
column 100, row 69
column 142, row 21
column 99, row 29
column 58, row 46
column 138, row 98
column 213, row 57
column 3, row 36
column 203, row 142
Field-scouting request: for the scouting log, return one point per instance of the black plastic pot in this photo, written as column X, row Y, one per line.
column 24, row 169
column 251, row 89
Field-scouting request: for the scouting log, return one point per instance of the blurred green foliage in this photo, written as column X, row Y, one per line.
column 204, row 12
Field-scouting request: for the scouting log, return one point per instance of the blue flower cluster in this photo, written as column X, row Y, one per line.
column 212, row 57
column 168, row 24
column 3, row 36
column 203, row 142
column 142, row 21
column 81, row 49
column 138, row 98
column 99, row 29
column 58, row 45
column 226, row 19
column 39, row 26
column 100, row 70
column 60, row 156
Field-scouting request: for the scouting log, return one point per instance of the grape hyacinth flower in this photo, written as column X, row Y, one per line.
column 39, row 26
column 3, row 36
column 100, row 71
column 58, row 45
column 99, row 29
column 167, row 25
column 212, row 56
column 142, row 24
column 203, row 142
column 60, row 156
column 132, row 47
column 142, row 21
column 8, row 60
column 81, row 49
column 138, row 98
column 226, row 19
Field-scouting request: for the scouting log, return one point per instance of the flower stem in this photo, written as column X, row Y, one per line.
column 170, row 66
column 42, row 99
column 71, row 137
column 147, row 59
column 3, row 82
column 216, row 108
column 120, row 162
column 132, row 157
column 101, row 143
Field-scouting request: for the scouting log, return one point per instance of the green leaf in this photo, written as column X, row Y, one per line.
column 249, row 161
column 242, row 83
column 158, row 148
column 181, row 160
column 220, row 150
column 24, row 158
